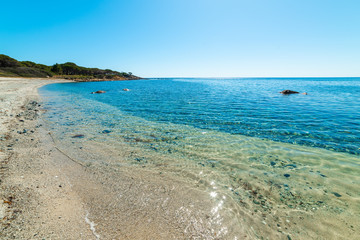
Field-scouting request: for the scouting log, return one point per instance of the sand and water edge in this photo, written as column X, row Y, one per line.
column 46, row 194
column 48, row 190
column 33, row 205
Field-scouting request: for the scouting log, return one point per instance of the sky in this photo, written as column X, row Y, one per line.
column 188, row 38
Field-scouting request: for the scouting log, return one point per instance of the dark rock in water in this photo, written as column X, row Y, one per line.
column 212, row 163
column 286, row 175
column 288, row 92
column 99, row 91
column 78, row 136
column 336, row 194
column 106, row 131
column 272, row 163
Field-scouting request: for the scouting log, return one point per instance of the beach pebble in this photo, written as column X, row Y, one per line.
column 22, row 132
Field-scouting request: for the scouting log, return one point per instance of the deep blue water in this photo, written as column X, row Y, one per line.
column 328, row 117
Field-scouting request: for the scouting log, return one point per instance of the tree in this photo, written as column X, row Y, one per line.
column 56, row 68
column 6, row 61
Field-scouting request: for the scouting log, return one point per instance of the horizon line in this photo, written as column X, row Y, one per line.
column 237, row 77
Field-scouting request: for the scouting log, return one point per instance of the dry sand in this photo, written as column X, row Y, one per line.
column 36, row 200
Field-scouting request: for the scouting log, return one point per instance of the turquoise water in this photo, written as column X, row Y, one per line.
column 328, row 117
column 259, row 155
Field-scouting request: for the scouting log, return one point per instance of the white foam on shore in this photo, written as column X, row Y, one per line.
column 92, row 226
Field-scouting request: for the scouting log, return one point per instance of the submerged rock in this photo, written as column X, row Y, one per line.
column 290, row 165
column 288, row 92
column 106, row 131
column 336, row 194
column 78, row 136
column 99, row 91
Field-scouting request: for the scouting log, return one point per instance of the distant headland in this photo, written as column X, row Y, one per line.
column 10, row 67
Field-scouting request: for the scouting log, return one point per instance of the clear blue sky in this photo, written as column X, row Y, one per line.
column 188, row 38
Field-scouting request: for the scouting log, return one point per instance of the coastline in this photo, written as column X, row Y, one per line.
column 32, row 205
column 60, row 187
column 46, row 193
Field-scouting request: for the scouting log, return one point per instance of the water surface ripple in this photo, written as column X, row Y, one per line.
column 227, row 158
column 328, row 117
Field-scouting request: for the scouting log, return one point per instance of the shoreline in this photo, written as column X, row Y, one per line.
column 46, row 193
column 69, row 79
column 56, row 186
column 30, row 204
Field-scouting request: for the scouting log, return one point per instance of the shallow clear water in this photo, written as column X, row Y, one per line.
column 267, row 154
column 328, row 117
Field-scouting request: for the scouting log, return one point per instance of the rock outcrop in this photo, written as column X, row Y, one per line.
column 288, row 92
column 100, row 91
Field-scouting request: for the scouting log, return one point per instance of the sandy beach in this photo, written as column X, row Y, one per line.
column 54, row 185
column 36, row 198
column 46, row 194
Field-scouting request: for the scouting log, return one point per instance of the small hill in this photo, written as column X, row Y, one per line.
column 10, row 67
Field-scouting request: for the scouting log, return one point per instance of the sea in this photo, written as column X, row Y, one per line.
column 277, row 165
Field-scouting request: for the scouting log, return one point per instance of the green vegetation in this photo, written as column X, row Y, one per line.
column 10, row 67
